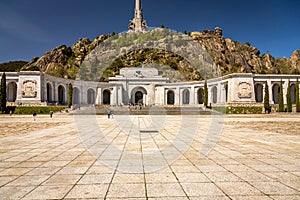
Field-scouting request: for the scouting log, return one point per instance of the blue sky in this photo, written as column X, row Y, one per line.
column 29, row 28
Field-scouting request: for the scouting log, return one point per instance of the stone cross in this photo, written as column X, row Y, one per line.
column 138, row 24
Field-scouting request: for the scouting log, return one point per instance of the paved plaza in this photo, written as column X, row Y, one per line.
column 148, row 157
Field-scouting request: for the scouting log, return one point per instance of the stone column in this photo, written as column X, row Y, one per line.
column 177, row 96
column 270, row 92
column 145, row 99
column 138, row 5
column 285, row 86
column 192, row 96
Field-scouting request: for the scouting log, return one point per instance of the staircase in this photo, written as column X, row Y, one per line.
column 148, row 110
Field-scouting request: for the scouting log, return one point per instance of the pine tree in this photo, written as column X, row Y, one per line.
column 266, row 98
column 205, row 100
column 297, row 96
column 3, row 93
column 289, row 99
column 70, row 95
column 280, row 98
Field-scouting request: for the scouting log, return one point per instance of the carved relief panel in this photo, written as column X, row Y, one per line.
column 244, row 90
column 29, row 89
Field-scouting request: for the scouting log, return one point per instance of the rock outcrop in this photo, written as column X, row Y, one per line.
column 64, row 61
column 230, row 56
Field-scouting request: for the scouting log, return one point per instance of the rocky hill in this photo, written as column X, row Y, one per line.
column 230, row 56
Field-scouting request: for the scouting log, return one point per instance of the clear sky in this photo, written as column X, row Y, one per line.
column 29, row 28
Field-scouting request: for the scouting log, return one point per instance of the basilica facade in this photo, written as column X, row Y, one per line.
column 146, row 87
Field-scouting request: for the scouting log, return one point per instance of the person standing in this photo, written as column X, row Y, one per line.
column 108, row 113
column 34, row 115
column 51, row 113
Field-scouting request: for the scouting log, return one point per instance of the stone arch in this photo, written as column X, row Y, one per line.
column 106, row 97
column 200, row 95
column 76, row 95
column 186, row 96
column 138, row 95
column 259, row 92
column 275, row 93
column 11, row 92
column 214, row 94
column 49, row 92
column 61, row 94
column 170, row 97
column 293, row 93
column 91, row 96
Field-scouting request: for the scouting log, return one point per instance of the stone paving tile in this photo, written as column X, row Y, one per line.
column 95, row 179
column 192, row 177
column 128, row 178
column 28, row 180
column 201, row 189
column 88, row 191
column 238, row 188
column 165, row 190
column 126, row 190
column 62, row 179
column 6, row 179
column 253, row 176
column 14, row 192
column 73, row 170
column 274, row 188
column 161, row 178
column 15, row 171
column 222, row 176
column 285, row 197
column 44, row 171
column 48, row 192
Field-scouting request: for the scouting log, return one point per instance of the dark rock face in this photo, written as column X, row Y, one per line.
column 230, row 56
column 64, row 61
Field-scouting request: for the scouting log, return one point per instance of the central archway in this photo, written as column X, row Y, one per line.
column 106, row 97
column 139, row 96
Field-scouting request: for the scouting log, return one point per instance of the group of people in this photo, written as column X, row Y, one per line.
column 34, row 115
column 135, row 106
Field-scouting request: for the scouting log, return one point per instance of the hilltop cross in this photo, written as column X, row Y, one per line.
column 138, row 24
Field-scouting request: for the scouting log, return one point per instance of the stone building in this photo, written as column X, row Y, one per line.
column 147, row 87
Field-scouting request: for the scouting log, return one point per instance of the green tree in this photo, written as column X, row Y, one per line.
column 205, row 95
column 3, row 93
column 266, row 98
column 70, row 95
column 280, row 98
column 297, row 96
column 289, row 99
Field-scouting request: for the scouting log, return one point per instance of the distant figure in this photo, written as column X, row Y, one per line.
column 34, row 115
column 10, row 113
column 51, row 113
column 209, row 107
column 108, row 113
